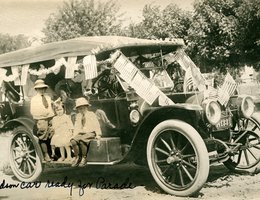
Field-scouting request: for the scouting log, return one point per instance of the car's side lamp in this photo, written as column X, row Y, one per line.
column 247, row 106
column 213, row 112
column 134, row 116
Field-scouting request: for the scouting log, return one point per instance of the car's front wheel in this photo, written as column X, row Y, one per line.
column 247, row 157
column 177, row 158
column 24, row 155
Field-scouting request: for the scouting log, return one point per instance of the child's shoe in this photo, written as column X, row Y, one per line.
column 83, row 161
column 47, row 158
column 75, row 161
column 61, row 159
column 68, row 159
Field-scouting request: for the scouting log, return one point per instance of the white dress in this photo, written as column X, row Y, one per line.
column 62, row 126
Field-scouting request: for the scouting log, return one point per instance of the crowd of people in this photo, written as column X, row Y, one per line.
column 58, row 127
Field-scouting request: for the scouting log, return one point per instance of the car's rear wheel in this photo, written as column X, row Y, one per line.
column 177, row 158
column 25, row 155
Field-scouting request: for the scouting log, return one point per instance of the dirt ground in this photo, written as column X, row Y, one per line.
column 221, row 184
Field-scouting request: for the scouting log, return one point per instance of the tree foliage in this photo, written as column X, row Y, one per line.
column 11, row 43
column 158, row 23
column 218, row 33
column 212, row 35
column 82, row 18
column 248, row 38
column 224, row 32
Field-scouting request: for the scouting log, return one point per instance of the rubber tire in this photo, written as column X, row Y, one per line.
column 199, row 146
column 39, row 166
column 229, row 164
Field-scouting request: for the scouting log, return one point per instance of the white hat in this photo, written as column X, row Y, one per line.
column 40, row 84
column 82, row 102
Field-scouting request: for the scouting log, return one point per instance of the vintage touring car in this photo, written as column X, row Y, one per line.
column 138, row 83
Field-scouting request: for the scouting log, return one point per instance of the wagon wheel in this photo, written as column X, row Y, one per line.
column 25, row 155
column 177, row 158
column 248, row 155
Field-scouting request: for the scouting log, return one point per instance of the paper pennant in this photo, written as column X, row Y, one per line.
column 2, row 75
column 22, row 74
column 90, row 67
column 164, row 100
column 70, row 67
column 143, row 86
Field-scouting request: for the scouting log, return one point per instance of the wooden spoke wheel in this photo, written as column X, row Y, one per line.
column 248, row 154
column 177, row 158
column 24, row 155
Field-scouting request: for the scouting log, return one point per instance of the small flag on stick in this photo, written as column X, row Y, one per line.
column 188, row 81
column 226, row 90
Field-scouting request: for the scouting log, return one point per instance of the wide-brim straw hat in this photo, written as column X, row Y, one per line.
column 82, row 102
column 40, row 84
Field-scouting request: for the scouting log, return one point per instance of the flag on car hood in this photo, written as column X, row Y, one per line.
column 226, row 90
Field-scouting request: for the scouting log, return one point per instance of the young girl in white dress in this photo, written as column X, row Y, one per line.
column 63, row 132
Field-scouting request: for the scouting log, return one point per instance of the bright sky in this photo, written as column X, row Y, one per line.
column 28, row 16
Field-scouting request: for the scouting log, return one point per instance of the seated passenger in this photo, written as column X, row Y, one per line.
column 86, row 128
column 62, row 127
column 42, row 112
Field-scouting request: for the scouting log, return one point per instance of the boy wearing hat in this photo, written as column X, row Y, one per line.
column 86, row 128
column 42, row 112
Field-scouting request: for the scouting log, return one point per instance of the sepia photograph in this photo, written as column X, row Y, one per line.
column 134, row 100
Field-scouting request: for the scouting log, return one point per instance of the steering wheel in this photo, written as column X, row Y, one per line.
column 106, row 84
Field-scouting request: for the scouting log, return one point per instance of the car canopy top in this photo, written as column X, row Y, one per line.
column 96, row 45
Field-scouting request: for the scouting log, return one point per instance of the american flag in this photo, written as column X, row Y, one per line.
column 226, row 90
column 188, row 81
column 90, row 67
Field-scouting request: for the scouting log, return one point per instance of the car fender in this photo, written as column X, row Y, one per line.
column 27, row 122
column 184, row 112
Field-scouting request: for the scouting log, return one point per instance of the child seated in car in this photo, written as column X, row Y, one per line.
column 63, row 132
